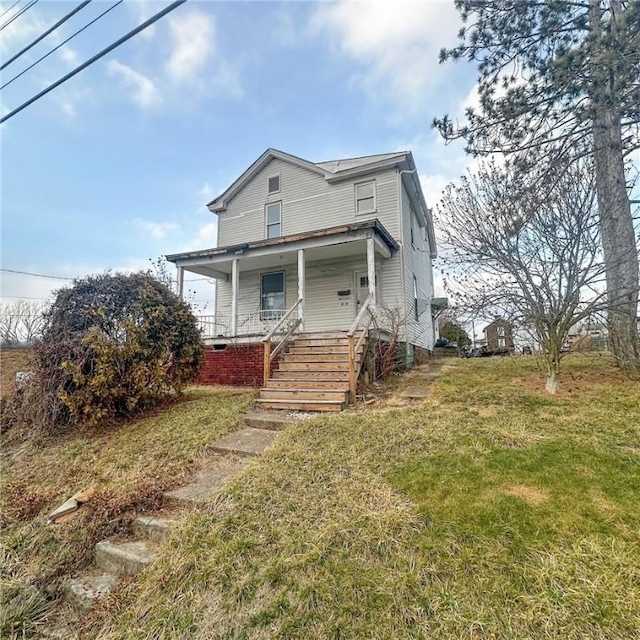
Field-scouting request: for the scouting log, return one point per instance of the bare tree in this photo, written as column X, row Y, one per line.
column 20, row 323
column 532, row 256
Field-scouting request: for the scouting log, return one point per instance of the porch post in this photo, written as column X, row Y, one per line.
column 301, row 276
column 371, row 269
column 234, row 297
column 180, row 282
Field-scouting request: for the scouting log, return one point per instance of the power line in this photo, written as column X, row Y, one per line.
column 104, row 52
column 82, row 5
column 23, row 10
column 73, row 35
column 9, row 9
column 37, row 275
column 43, row 275
column 22, row 297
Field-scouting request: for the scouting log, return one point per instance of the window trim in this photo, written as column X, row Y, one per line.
column 375, row 197
column 266, row 220
column 284, row 293
column 275, row 175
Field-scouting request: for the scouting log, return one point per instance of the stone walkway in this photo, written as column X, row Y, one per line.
column 113, row 559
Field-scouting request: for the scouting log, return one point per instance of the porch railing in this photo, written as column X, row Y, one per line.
column 249, row 324
column 354, row 371
column 282, row 326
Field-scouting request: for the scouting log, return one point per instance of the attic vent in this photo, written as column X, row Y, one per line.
column 274, row 184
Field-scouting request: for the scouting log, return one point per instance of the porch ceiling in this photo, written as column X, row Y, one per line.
column 327, row 244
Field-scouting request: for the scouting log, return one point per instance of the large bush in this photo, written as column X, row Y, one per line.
column 113, row 345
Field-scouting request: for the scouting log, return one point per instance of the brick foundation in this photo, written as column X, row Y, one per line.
column 235, row 364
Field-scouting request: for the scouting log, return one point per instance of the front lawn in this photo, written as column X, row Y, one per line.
column 489, row 511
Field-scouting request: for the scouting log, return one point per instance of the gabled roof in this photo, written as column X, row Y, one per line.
column 332, row 170
column 335, row 171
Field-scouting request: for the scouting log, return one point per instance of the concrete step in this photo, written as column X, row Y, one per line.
column 126, row 558
column 329, row 376
column 208, row 481
column 302, row 394
column 307, row 383
column 82, row 593
column 314, row 366
column 246, row 442
column 264, row 420
column 154, row 529
column 301, row 405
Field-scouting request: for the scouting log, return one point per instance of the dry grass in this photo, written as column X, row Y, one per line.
column 432, row 521
column 130, row 465
column 12, row 361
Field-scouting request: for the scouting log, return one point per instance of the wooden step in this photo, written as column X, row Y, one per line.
column 333, row 376
column 326, row 342
column 307, row 383
column 316, row 357
column 319, row 349
column 314, row 366
column 301, row 405
column 302, row 394
column 322, row 335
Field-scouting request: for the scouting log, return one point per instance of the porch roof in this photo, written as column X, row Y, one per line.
column 332, row 236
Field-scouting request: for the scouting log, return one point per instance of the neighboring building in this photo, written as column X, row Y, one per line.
column 498, row 335
column 586, row 336
column 323, row 237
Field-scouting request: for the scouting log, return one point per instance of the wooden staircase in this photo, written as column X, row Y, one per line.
column 313, row 374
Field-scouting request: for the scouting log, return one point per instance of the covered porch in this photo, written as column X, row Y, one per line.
column 318, row 280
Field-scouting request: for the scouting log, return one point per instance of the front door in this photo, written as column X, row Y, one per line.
column 362, row 288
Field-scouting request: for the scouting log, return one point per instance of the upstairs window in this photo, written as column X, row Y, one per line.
column 274, row 184
column 366, row 197
column 415, row 298
column 273, row 220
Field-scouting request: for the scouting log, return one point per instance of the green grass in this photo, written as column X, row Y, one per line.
column 129, row 465
column 489, row 511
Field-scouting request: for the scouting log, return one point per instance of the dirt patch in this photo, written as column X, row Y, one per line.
column 601, row 502
column 484, row 412
column 532, row 495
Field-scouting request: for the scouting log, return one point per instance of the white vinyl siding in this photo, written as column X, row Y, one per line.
column 417, row 269
column 309, row 203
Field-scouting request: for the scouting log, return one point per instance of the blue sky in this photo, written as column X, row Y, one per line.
column 115, row 166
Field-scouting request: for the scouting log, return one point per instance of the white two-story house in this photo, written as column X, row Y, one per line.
column 338, row 247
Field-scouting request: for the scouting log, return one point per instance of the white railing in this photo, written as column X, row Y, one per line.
column 249, row 324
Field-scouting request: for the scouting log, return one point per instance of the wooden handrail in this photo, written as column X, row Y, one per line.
column 285, row 339
column 268, row 354
column 356, row 322
column 282, row 320
column 353, row 347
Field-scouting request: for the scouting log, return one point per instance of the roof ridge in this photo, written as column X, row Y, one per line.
column 369, row 155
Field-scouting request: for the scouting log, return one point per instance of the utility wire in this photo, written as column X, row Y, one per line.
column 82, row 5
column 73, row 35
column 37, row 275
column 26, row 8
column 43, row 275
column 104, row 52
column 9, row 9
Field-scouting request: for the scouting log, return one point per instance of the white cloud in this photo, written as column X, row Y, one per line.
column 20, row 31
column 397, row 42
column 193, row 38
column 70, row 56
column 158, row 230
column 207, row 235
column 145, row 93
